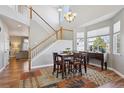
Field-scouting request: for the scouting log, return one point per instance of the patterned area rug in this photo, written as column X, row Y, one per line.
column 44, row 78
column 75, row 82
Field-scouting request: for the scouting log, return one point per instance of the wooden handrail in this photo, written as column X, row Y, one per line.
column 60, row 30
column 47, row 38
column 67, row 29
column 35, row 47
column 32, row 10
column 56, row 31
column 43, row 41
column 43, row 19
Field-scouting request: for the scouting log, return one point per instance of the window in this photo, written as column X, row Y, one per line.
column 116, row 38
column 98, row 40
column 80, row 41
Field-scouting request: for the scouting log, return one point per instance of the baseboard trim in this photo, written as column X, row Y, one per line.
column 95, row 64
column 41, row 66
column 2, row 68
column 117, row 72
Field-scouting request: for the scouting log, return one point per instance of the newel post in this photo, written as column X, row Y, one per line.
column 61, row 33
column 30, row 12
column 29, row 54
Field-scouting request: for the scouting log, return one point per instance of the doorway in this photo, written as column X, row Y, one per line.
column 19, row 47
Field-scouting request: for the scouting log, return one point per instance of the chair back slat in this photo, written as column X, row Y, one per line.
column 56, row 57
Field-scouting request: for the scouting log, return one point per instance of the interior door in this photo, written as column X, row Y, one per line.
column 1, row 49
column 6, row 49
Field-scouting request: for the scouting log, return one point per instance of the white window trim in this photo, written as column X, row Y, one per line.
column 115, row 53
column 80, row 38
column 97, row 36
column 116, row 33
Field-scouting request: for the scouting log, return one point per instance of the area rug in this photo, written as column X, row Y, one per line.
column 75, row 82
column 43, row 78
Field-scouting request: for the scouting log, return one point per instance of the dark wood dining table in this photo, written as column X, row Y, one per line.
column 66, row 55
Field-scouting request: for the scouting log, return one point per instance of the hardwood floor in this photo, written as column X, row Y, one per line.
column 10, row 76
column 116, row 84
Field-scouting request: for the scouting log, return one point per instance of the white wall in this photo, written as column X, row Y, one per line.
column 4, row 45
column 37, row 33
column 7, row 11
column 45, row 58
column 49, row 13
column 67, row 35
column 18, row 33
column 118, row 60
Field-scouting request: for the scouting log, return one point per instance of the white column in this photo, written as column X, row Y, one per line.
column 122, row 35
column 111, row 44
column 85, row 40
column 74, row 40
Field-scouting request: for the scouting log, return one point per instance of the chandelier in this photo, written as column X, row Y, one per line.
column 69, row 16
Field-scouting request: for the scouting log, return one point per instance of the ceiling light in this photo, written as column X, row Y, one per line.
column 59, row 9
column 19, row 25
column 70, row 16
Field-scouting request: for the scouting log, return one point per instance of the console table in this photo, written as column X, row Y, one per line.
column 99, row 56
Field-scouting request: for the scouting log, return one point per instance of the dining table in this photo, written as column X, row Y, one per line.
column 67, row 55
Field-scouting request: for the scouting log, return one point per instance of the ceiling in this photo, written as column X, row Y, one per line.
column 15, row 28
column 89, row 14
column 86, row 15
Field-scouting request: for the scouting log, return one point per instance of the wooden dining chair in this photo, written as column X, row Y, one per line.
column 84, row 56
column 57, row 66
column 54, row 62
column 68, row 61
column 76, row 64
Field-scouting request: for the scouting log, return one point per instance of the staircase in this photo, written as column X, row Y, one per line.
column 44, row 38
column 45, row 57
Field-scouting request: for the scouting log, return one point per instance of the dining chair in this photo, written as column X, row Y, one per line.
column 57, row 65
column 54, row 62
column 76, row 64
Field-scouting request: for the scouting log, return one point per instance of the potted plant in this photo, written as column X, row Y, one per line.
column 67, row 50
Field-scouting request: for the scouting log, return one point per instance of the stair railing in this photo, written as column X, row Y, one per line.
column 57, row 35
